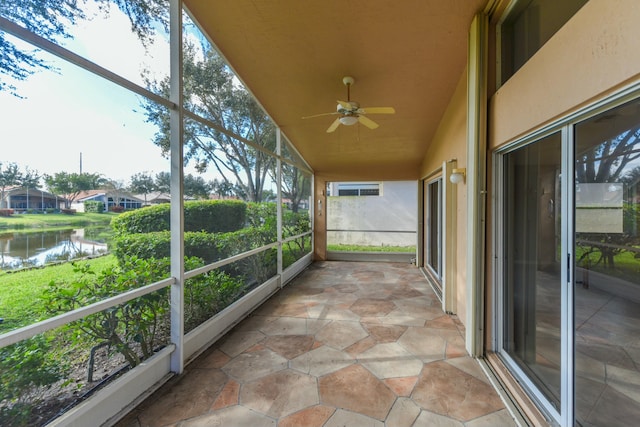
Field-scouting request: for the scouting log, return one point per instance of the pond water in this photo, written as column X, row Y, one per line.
column 18, row 250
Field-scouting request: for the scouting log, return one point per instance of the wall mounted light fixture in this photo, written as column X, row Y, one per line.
column 458, row 175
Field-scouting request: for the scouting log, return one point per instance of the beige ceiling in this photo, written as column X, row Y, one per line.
column 293, row 54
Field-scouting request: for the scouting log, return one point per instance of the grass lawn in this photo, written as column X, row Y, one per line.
column 626, row 265
column 357, row 248
column 24, row 222
column 20, row 292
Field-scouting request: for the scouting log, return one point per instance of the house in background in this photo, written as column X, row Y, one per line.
column 153, row 198
column 21, row 199
column 109, row 199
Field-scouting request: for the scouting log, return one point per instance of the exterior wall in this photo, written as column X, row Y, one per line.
column 319, row 218
column 450, row 142
column 395, row 209
column 593, row 55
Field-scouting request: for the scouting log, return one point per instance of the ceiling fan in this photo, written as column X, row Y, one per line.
column 351, row 113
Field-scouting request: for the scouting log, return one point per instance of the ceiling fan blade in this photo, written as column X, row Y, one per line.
column 367, row 122
column 320, row 115
column 334, row 125
column 377, row 110
column 345, row 105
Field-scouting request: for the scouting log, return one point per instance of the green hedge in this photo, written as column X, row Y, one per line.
column 93, row 206
column 209, row 247
column 212, row 216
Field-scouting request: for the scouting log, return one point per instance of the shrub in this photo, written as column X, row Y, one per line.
column 132, row 329
column 256, row 268
column 94, row 206
column 210, row 215
column 6, row 212
column 209, row 247
column 138, row 327
column 208, row 294
column 26, row 371
column 158, row 245
column 262, row 214
column 214, row 216
column 145, row 220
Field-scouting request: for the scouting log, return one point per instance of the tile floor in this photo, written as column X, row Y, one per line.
column 345, row 344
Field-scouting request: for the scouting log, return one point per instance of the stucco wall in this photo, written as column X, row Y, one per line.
column 395, row 209
column 450, row 142
column 594, row 54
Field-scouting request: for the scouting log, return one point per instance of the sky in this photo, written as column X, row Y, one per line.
column 62, row 114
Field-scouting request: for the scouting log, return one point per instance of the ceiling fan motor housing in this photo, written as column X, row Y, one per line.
column 354, row 107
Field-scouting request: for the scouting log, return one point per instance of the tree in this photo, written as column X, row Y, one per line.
column 296, row 185
column 196, row 186
column 52, row 20
column 607, row 163
column 30, row 179
column 163, row 182
column 10, row 176
column 70, row 185
column 142, row 183
column 212, row 92
column 222, row 188
column 117, row 190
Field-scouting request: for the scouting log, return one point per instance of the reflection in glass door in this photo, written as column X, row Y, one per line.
column 531, row 309
column 433, row 231
column 607, row 268
column 570, row 331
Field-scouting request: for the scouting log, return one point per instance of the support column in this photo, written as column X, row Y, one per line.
column 177, row 188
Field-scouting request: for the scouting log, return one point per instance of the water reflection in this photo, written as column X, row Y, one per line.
column 18, row 250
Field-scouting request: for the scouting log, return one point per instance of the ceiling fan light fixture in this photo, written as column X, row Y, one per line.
column 348, row 120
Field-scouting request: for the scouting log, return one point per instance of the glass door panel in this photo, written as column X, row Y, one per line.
column 434, row 230
column 607, row 268
column 532, row 282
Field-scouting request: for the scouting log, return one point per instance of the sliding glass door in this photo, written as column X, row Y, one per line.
column 532, row 284
column 433, row 230
column 569, row 279
column 607, row 268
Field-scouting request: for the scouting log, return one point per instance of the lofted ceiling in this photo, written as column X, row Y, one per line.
column 293, row 54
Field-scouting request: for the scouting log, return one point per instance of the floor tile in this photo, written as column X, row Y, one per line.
column 341, row 334
column 237, row 342
column 233, row 416
column 390, row 360
column 314, row 416
column 321, row 361
column 370, row 397
column 280, row 394
column 401, row 386
column 253, row 365
column 403, row 413
column 448, row 391
column 190, row 396
column 429, row 419
column 290, row 346
column 342, row 418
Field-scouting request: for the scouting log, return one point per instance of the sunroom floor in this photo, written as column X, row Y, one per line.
column 344, row 344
